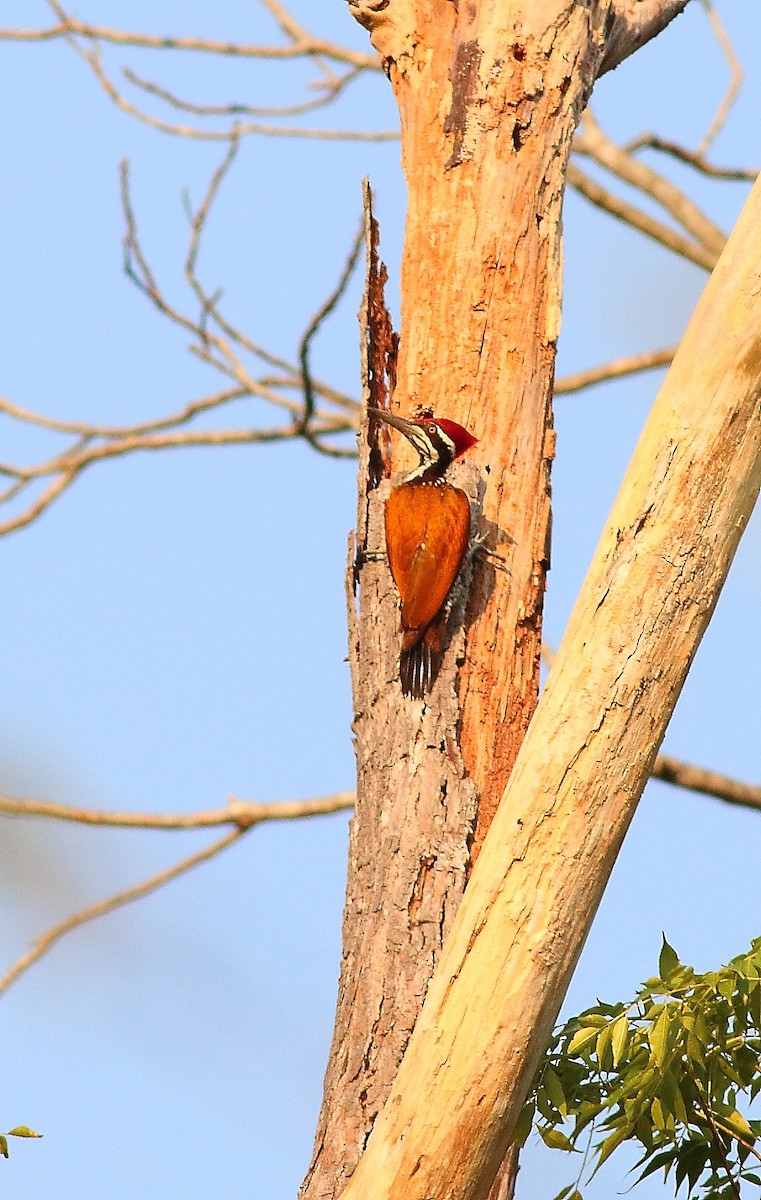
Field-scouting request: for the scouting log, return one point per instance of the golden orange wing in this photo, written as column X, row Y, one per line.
column 427, row 534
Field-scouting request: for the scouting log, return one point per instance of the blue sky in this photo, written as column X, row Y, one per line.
column 174, row 627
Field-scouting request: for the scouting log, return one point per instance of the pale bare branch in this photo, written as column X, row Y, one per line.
column 87, row 430
column 216, row 342
column 241, row 128
column 735, row 78
column 246, row 813
column 592, row 142
column 243, row 813
column 631, row 215
column 51, row 493
column 651, row 141
column 137, row 892
column 330, row 90
column 303, row 426
column 305, row 46
column 87, row 38
column 711, row 783
column 616, row 369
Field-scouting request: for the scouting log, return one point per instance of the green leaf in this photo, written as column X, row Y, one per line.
column 593, row 1018
column 754, row 1005
column 555, row 1090
column 726, row 985
column 691, row 1163
column 607, row 1147
column 602, row 1045
column 739, row 1125
column 545, row 1105
column 746, row 1064
column 695, row 1050
column 564, row 1192
column 23, row 1131
column 668, row 960
column 658, row 1038
column 619, row 1035
column 3, row 1145
column 665, row 1159
column 582, row 1038
column 524, row 1123
column 555, row 1139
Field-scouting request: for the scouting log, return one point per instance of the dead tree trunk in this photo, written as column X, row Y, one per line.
column 489, row 93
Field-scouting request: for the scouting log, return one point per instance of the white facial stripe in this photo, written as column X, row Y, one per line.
column 424, row 446
column 446, row 439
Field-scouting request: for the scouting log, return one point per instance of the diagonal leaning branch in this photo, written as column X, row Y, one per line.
column 647, row 599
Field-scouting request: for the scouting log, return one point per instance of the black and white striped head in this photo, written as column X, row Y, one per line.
column 438, row 442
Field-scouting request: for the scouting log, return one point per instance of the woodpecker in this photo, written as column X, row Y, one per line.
column 427, row 533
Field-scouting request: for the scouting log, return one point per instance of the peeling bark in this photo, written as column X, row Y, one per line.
column 489, row 92
column 648, row 597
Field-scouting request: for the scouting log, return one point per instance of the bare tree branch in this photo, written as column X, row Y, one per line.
column 241, row 128
column 118, row 900
column 651, row 141
column 303, row 425
column 87, row 39
column 330, row 91
column 710, row 783
column 592, row 142
column 735, row 78
column 247, row 813
column 616, row 369
column 315, row 411
column 668, row 237
column 301, row 45
column 243, row 813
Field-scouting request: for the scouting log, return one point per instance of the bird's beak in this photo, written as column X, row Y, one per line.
column 408, row 428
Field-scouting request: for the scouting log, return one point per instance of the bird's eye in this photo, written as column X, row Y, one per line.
column 431, row 427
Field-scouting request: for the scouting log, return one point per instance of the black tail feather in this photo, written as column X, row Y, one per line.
column 418, row 668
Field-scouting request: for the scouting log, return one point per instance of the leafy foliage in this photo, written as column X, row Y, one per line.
column 667, row 1071
column 18, row 1131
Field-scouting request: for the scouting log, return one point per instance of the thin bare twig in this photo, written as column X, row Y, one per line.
column 714, row 1134
column 710, row 783
column 44, row 943
column 631, row 215
column 651, row 141
column 87, row 430
column 216, row 342
column 241, row 128
column 303, row 46
column 330, row 91
column 243, row 813
column 592, row 142
column 616, row 369
column 735, row 78
column 303, row 426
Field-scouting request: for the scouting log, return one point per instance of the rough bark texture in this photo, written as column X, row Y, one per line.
column 489, row 92
column 646, row 601
column 408, row 847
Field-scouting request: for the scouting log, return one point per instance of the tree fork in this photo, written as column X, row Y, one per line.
column 647, row 599
column 489, row 95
